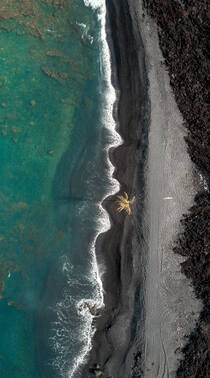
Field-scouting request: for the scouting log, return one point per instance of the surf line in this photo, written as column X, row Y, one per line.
column 104, row 224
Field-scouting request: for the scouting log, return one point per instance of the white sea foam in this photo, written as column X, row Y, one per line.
column 103, row 223
column 85, row 30
column 87, row 330
column 95, row 4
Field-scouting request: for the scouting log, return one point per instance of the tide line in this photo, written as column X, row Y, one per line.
column 104, row 223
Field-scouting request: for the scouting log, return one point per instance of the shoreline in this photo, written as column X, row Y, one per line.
column 118, row 344
column 114, row 248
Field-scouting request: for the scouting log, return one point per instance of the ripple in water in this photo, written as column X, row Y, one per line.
column 79, row 328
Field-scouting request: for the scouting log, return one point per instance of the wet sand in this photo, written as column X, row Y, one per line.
column 146, row 318
column 119, row 249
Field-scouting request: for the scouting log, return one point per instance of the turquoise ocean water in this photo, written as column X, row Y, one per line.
column 53, row 175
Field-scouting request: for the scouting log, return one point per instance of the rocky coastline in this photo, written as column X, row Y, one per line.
column 183, row 35
column 119, row 247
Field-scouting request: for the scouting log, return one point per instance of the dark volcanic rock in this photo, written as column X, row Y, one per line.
column 183, row 28
column 183, row 31
column 195, row 244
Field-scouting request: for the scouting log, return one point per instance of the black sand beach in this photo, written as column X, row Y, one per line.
column 181, row 27
column 189, row 79
column 114, row 249
column 183, row 33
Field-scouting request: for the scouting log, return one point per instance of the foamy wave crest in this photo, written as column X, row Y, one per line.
column 95, row 4
column 85, row 32
column 104, row 225
column 88, row 309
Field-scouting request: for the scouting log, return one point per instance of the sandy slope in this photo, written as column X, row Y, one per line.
column 170, row 306
column 149, row 303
